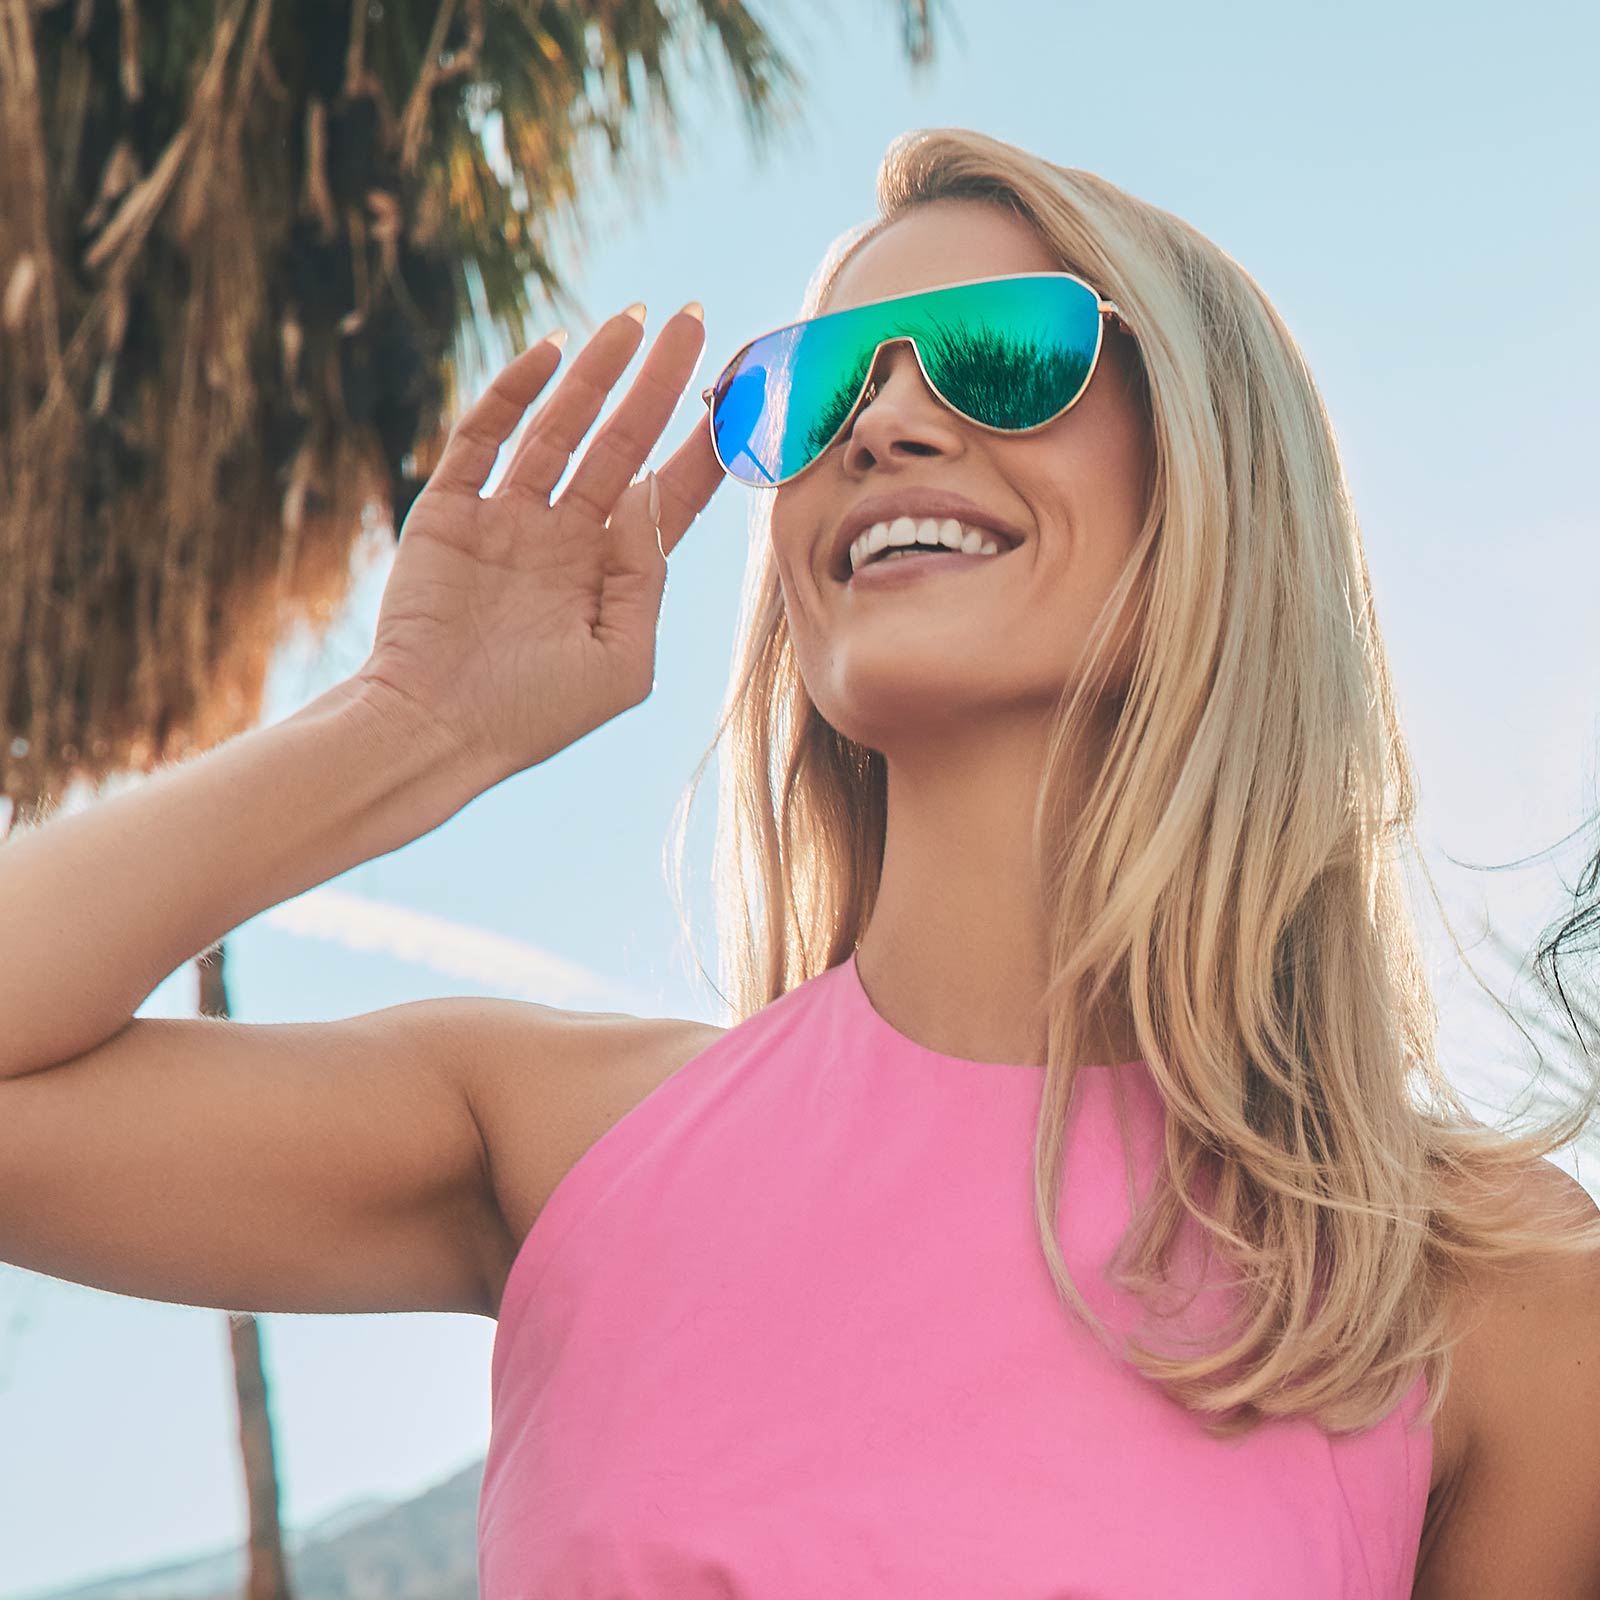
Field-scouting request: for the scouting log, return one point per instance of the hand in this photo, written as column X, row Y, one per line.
column 512, row 625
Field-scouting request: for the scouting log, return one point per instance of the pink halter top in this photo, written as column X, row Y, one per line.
column 785, row 1332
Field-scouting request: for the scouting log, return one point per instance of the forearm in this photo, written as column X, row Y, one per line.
column 98, row 906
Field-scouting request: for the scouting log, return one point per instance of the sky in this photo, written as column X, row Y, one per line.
column 1415, row 190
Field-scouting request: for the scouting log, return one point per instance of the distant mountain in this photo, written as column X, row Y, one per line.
column 425, row 1548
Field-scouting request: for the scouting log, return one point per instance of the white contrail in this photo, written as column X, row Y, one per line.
column 455, row 949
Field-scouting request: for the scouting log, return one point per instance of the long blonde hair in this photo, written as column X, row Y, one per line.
column 1232, row 876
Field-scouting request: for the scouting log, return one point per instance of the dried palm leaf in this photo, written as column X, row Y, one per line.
column 239, row 249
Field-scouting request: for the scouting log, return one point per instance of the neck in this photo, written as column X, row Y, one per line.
column 956, row 955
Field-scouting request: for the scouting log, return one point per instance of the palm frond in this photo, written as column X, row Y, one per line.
column 239, row 248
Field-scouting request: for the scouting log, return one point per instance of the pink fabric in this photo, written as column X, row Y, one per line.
column 785, row 1332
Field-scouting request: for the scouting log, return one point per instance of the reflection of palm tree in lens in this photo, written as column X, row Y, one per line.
column 833, row 413
column 987, row 374
column 1001, row 379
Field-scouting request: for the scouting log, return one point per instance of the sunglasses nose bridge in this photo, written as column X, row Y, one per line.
column 894, row 354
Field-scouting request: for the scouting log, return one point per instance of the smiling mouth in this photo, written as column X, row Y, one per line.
column 905, row 536
column 894, row 571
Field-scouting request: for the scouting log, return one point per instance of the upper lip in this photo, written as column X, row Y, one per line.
column 915, row 503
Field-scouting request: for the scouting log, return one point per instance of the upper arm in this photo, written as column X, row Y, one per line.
column 316, row 1167
column 1525, row 1517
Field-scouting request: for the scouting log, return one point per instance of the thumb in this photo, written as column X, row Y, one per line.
column 637, row 578
column 653, row 511
column 635, row 524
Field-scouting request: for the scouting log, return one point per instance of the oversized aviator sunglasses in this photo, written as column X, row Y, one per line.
column 1009, row 353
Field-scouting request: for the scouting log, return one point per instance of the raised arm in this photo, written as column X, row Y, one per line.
column 337, row 1166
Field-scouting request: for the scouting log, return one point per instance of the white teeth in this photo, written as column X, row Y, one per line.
column 928, row 531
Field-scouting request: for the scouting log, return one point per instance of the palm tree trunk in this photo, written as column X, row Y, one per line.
column 269, row 1576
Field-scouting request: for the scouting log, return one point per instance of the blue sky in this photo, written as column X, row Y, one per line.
column 1413, row 187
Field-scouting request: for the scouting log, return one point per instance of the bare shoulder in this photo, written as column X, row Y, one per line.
column 545, row 1083
column 1519, row 1511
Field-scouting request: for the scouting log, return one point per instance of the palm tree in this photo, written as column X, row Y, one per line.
column 246, row 249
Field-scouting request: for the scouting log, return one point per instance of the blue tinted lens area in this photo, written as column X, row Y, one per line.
column 779, row 402
column 1007, row 352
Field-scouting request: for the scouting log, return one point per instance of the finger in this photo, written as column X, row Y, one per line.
column 687, row 481
column 519, row 470
column 561, row 422
column 474, row 443
column 616, row 453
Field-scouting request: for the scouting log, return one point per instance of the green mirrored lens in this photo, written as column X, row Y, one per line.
column 1009, row 353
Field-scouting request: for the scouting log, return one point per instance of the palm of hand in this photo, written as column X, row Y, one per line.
column 513, row 625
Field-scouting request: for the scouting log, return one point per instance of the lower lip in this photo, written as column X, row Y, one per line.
column 904, row 569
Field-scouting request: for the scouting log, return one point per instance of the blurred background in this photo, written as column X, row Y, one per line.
column 1414, row 188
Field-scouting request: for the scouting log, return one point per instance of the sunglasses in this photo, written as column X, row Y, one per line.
column 1010, row 354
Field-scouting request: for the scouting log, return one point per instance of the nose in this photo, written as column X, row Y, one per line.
column 902, row 419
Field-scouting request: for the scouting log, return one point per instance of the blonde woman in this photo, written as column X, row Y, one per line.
column 1073, row 1205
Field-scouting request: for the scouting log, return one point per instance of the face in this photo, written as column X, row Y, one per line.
column 987, row 640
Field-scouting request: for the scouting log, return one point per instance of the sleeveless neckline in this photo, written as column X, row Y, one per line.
column 886, row 1035
column 785, row 1329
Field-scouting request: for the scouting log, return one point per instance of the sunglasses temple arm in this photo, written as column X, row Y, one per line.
column 1111, row 307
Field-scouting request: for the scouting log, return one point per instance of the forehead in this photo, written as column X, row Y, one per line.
column 939, row 242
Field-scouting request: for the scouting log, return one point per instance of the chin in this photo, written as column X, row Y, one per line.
column 886, row 714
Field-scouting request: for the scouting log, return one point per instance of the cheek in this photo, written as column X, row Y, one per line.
column 1082, row 480
column 792, row 557
column 1047, row 473
column 792, row 528
column 1083, row 498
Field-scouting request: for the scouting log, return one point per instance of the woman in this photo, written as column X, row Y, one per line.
column 1074, row 849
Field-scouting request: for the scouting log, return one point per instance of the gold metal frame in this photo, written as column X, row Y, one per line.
column 869, row 386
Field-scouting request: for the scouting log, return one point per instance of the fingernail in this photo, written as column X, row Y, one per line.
column 558, row 338
column 695, row 310
column 655, row 502
column 636, row 311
